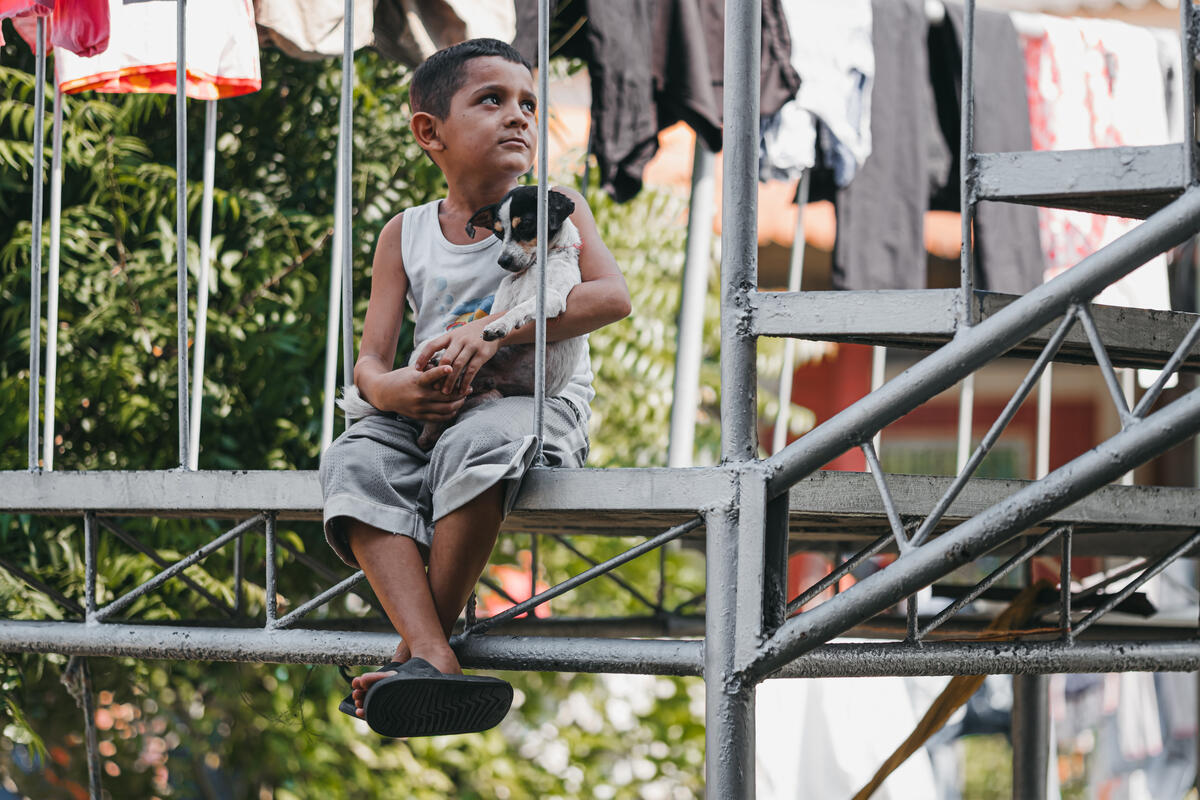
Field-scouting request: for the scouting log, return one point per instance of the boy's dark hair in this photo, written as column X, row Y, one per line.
column 441, row 75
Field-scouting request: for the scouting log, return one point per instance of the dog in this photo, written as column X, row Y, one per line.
column 510, row 372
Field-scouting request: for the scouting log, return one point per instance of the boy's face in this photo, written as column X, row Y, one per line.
column 491, row 123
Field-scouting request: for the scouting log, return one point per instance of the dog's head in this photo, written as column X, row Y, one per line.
column 514, row 221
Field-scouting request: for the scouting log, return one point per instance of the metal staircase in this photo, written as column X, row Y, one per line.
column 750, row 512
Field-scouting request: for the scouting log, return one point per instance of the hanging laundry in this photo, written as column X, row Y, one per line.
column 1170, row 63
column 688, row 56
column 652, row 65
column 80, row 26
column 615, row 41
column 410, row 31
column 312, row 29
column 1093, row 84
column 23, row 8
column 1008, row 255
column 689, row 64
column 222, row 51
column 20, row 11
column 833, row 53
column 881, row 213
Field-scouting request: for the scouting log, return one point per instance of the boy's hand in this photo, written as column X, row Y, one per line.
column 465, row 352
column 418, row 395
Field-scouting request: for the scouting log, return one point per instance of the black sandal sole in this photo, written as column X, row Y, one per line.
column 402, row 706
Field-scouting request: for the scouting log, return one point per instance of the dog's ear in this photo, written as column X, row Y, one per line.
column 561, row 207
column 483, row 218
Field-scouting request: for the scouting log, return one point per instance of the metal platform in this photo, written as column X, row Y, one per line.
column 1121, row 181
column 928, row 318
column 827, row 510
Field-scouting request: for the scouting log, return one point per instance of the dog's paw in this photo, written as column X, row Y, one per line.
column 493, row 332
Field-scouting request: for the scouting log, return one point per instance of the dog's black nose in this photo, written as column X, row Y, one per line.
column 505, row 260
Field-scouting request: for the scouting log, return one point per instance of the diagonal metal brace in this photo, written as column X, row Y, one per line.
column 127, row 599
column 1134, row 445
column 600, row 569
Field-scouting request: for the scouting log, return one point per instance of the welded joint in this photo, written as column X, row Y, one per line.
column 741, row 305
column 970, row 178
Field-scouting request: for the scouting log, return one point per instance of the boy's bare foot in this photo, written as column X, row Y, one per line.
column 443, row 660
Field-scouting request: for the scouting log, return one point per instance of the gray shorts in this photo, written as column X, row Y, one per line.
column 376, row 473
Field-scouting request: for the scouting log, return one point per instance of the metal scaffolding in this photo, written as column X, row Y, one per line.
column 750, row 512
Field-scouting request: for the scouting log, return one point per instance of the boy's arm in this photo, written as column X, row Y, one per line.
column 600, row 299
column 406, row 390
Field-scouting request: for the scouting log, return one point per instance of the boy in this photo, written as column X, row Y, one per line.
column 422, row 525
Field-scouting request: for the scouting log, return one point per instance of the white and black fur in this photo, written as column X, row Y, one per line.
column 511, row 370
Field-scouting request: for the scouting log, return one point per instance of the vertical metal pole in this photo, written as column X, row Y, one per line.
column 238, row 576
column 272, row 591
column 95, row 785
column 533, row 563
column 729, row 734
column 1030, row 736
column 966, row 165
column 690, row 340
column 795, row 280
column 56, row 137
column 729, row 703
column 35, row 253
column 1064, row 581
column 335, row 299
column 1187, row 44
column 181, row 298
column 1045, row 398
column 341, row 304
column 1129, row 389
column 210, row 157
column 739, row 240
column 543, row 205
column 346, row 143
column 966, row 399
column 878, row 374
column 90, row 545
column 966, row 418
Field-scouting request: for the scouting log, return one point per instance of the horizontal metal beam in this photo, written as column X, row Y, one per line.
column 974, row 347
column 928, row 318
column 1127, row 181
column 851, row 498
column 568, row 654
column 593, row 497
column 826, row 507
column 883, row 315
column 627, row 656
column 837, row 660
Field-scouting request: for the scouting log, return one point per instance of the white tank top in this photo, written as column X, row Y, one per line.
column 452, row 284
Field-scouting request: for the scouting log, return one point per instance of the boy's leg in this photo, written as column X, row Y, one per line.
column 423, row 606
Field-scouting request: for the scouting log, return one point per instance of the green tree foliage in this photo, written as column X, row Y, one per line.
column 247, row 731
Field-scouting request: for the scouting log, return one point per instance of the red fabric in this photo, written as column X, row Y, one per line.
column 22, row 13
column 80, row 26
column 26, row 27
column 20, row 8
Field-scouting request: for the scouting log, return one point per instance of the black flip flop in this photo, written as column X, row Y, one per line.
column 421, row 701
column 347, row 706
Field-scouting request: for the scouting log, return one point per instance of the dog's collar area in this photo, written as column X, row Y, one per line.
column 560, row 248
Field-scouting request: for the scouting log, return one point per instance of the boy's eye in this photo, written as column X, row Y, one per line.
column 491, row 99
column 529, row 106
